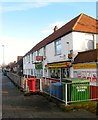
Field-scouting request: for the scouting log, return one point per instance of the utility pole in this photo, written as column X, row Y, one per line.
column 3, row 57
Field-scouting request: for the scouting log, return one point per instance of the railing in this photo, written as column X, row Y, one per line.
column 69, row 92
column 63, row 91
column 19, row 81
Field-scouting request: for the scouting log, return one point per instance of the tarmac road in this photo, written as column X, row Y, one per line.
column 16, row 105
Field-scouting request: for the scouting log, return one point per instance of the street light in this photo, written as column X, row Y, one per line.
column 3, row 56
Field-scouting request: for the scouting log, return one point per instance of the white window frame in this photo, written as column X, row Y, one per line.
column 57, row 47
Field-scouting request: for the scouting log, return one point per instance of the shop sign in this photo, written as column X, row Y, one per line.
column 59, row 65
column 91, row 75
column 80, row 66
column 38, row 66
column 39, row 58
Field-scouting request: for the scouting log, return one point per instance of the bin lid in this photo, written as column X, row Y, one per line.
column 57, row 84
column 76, row 80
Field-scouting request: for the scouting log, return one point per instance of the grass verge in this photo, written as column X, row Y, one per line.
column 89, row 106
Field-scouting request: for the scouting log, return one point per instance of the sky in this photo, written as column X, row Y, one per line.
column 24, row 23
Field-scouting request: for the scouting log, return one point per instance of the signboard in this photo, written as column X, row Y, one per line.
column 85, row 65
column 91, row 75
column 59, row 65
column 39, row 58
column 38, row 66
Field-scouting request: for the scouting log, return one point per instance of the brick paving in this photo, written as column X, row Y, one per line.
column 16, row 105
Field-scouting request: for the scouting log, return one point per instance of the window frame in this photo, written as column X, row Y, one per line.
column 58, row 47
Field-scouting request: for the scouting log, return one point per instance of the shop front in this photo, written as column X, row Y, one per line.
column 85, row 70
column 59, row 70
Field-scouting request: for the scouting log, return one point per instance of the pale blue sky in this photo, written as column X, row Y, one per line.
column 25, row 24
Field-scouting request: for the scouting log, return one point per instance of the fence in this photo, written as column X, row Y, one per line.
column 67, row 92
column 19, row 81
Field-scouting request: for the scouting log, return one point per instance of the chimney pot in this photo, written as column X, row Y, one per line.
column 55, row 28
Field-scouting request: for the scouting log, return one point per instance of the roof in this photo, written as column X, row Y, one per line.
column 86, row 24
column 86, row 56
column 79, row 23
column 19, row 62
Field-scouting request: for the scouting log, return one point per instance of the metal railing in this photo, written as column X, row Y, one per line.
column 69, row 92
column 63, row 91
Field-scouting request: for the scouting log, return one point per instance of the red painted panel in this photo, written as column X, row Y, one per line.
column 32, row 84
column 93, row 92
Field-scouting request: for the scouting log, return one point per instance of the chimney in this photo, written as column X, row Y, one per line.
column 55, row 28
column 19, row 57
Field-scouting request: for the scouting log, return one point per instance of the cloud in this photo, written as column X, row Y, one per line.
column 29, row 4
column 21, row 6
column 50, row 28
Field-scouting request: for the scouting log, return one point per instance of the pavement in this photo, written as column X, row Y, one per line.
column 16, row 105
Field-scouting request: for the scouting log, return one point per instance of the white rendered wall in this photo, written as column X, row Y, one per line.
column 79, row 41
column 76, row 43
column 51, row 57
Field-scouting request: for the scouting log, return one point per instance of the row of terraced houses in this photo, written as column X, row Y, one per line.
column 68, row 52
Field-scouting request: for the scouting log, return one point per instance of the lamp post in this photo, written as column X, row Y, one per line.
column 3, row 57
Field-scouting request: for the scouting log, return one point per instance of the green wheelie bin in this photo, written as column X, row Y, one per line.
column 78, row 89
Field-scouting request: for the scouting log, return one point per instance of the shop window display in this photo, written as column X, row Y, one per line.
column 55, row 73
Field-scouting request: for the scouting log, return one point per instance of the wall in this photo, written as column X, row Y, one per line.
column 51, row 57
column 80, row 41
column 76, row 43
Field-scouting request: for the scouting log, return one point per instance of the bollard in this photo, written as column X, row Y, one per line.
column 97, row 109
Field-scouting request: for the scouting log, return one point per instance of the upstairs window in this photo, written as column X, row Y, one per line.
column 32, row 57
column 29, row 58
column 44, row 51
column 58, row 47
column 38, row 53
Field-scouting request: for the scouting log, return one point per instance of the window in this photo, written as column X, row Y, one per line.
column 31, row 71
column 44, row 51
column 55, row 73
column 28, row 58
column 65, row 72
column 38, row 53
column 58, row 47
column 32, row 57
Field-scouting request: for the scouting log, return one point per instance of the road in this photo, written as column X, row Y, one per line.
column 16, row 105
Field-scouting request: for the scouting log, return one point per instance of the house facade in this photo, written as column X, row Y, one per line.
column 85, row 65
column 53, row 56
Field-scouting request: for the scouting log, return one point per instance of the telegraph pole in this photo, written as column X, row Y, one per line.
column 3, row 56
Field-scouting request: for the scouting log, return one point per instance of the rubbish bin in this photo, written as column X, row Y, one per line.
column 31, row 82
column 77, row 89
column 56, row 90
